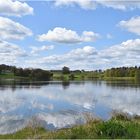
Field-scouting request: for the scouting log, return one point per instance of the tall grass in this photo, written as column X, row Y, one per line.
column 119, row 126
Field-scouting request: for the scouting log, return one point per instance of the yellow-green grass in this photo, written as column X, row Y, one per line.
column 10, row 76
column 77, row 76
column 118, row 78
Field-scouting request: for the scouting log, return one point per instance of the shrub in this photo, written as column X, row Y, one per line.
column 112, row 129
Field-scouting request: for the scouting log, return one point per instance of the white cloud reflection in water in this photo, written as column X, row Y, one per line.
column 58, row 106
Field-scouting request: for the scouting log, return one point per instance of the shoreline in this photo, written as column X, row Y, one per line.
column 119, row 126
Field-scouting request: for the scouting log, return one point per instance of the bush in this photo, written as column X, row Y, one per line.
column 71, row 77
column 121, row 116
column 112, row 129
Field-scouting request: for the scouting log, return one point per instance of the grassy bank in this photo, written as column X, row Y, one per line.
column 87, row 76
column 7, row 76
column 118, row 78
column 75, row 76
column 119, row 126
column 10, row 76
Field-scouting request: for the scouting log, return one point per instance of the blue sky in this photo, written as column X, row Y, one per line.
column 80, row 34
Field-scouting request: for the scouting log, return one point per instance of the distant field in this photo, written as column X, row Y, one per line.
column 87, row 76
column 76, row 76
column 119, row 78
column 9, row 76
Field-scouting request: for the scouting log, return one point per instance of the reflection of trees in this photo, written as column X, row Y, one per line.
column 97, row 82
column 26, row 84
column 65, row 84
column 137, row 81
column 21, row 84
column 124, row 84
column 78, row 83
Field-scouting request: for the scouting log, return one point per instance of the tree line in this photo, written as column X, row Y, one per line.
column 113, row 72
column 39, row 74
column 123, row 72
column 34, row 74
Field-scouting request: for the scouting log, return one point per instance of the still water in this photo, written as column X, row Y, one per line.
column 57, row 104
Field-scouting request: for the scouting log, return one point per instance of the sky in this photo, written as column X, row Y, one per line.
column 79, row 34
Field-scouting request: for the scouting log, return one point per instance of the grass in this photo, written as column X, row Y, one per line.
column 9, row 76
column 117, row 127
column 77, row 76
column 118, row 78
column 25, row 133
column 87, row 76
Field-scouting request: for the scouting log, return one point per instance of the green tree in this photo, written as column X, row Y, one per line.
column 71, row 77
column 65, row 70
column 137, row 74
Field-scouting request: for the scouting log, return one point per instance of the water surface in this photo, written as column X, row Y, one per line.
column 59, row 104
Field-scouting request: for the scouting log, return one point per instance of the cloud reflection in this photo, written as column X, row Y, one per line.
column 57, row 107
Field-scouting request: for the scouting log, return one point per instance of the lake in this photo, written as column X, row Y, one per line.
column 59, row 104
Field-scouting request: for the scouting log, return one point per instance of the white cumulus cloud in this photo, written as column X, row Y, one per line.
column 85, row 4
column 132, row 25
column 13, row 30
column 89, row 58
column 63, row 35
column 9, row 52
column 93, row 4
column 14, row 8
column 120, row 4
column 40, row 49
